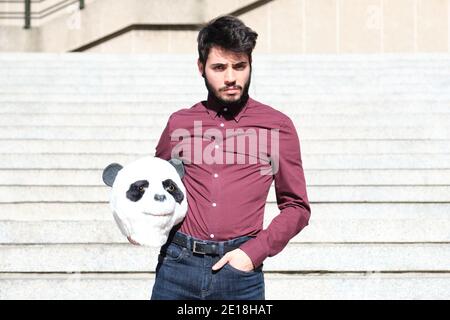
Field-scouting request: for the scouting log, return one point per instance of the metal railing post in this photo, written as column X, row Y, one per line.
column 27, row 14
column 81, row 4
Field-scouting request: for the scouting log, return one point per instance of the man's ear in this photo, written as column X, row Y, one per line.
column 178, row 165
column 110, row 173
column 201, row 68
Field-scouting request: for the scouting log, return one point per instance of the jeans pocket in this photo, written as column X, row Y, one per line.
column 173, row 253
column 241, row 272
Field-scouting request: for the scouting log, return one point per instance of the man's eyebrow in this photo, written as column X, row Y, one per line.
column 223, row 64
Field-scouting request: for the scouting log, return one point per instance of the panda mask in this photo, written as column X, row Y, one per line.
column 147, row 198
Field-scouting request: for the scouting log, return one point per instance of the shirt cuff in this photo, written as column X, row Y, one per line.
column 255, row 251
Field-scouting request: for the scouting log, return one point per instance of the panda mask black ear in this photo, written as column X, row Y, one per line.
column 178, row 165
column 111, row 171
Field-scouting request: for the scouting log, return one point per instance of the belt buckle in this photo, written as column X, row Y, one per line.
column 194, row 249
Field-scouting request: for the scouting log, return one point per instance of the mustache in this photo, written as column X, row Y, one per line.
column 232, row 87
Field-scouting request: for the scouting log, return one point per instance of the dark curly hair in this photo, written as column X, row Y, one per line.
column 226, row 32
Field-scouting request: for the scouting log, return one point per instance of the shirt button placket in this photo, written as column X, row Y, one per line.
column 216, row 184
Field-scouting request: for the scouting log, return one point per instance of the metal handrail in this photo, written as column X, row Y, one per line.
column 27, row 12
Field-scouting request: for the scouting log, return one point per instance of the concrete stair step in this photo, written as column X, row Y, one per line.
column 309, row 147
column 149, row 120
column 83, row 146
column 347, row 60
column 108, row 76
column 178, row 77
column 129, row 80
column 352, row 286
column 263, row 56
column 74, row 97
column 172, row 63
column 99, row 211
column 319, row 106
column 56, row 211
column 315, row 161
column 194, row 97
column 395, row 194
column 304, row 130
column 327, row 177
column 282, row 84
column 322, row 87
column 299, row 286
column 41, row 120
column 313, row 257
column 191, row 78
column 46, row 223
column 172, row 59
column 293, row 77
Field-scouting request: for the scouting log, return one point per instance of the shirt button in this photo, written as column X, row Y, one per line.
column 216, row 146
column 221, row 124
column 215, row 175
column 214, row 204
column 225, row 109
column 211, row 236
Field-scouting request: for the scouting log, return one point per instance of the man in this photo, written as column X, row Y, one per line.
column 217, row 252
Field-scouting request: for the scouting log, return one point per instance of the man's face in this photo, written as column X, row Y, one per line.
column 227, row 75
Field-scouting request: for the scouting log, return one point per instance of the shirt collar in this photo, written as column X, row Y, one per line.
column 214, row 109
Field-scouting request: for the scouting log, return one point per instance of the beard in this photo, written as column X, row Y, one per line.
column 229, row 103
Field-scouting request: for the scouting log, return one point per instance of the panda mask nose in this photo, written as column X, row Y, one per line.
column 160, row 197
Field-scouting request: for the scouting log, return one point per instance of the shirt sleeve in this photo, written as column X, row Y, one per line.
column 163, row 149
column 292, row 200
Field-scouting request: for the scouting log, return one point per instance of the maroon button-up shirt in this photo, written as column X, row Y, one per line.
column 231, row 158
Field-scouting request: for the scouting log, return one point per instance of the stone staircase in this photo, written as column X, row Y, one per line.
column 375, row 139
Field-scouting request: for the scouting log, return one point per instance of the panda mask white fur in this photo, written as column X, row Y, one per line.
column 147, row 198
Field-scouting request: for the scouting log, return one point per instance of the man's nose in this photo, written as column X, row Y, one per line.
column 230, row 77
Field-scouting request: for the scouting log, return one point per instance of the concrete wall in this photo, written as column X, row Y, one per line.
column 14, row 38
column 284, row 26
column 352, row 26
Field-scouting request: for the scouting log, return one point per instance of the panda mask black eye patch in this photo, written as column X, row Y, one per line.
column 137, row 190
column 171, row 187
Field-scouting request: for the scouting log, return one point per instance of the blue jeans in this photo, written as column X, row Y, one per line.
column 182, row 274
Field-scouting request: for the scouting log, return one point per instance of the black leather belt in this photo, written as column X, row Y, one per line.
column 201, row 247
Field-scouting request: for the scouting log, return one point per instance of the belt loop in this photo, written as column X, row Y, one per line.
column 189, row 242
column 221, row 248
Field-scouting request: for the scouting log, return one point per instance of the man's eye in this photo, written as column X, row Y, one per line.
column 218, row 68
